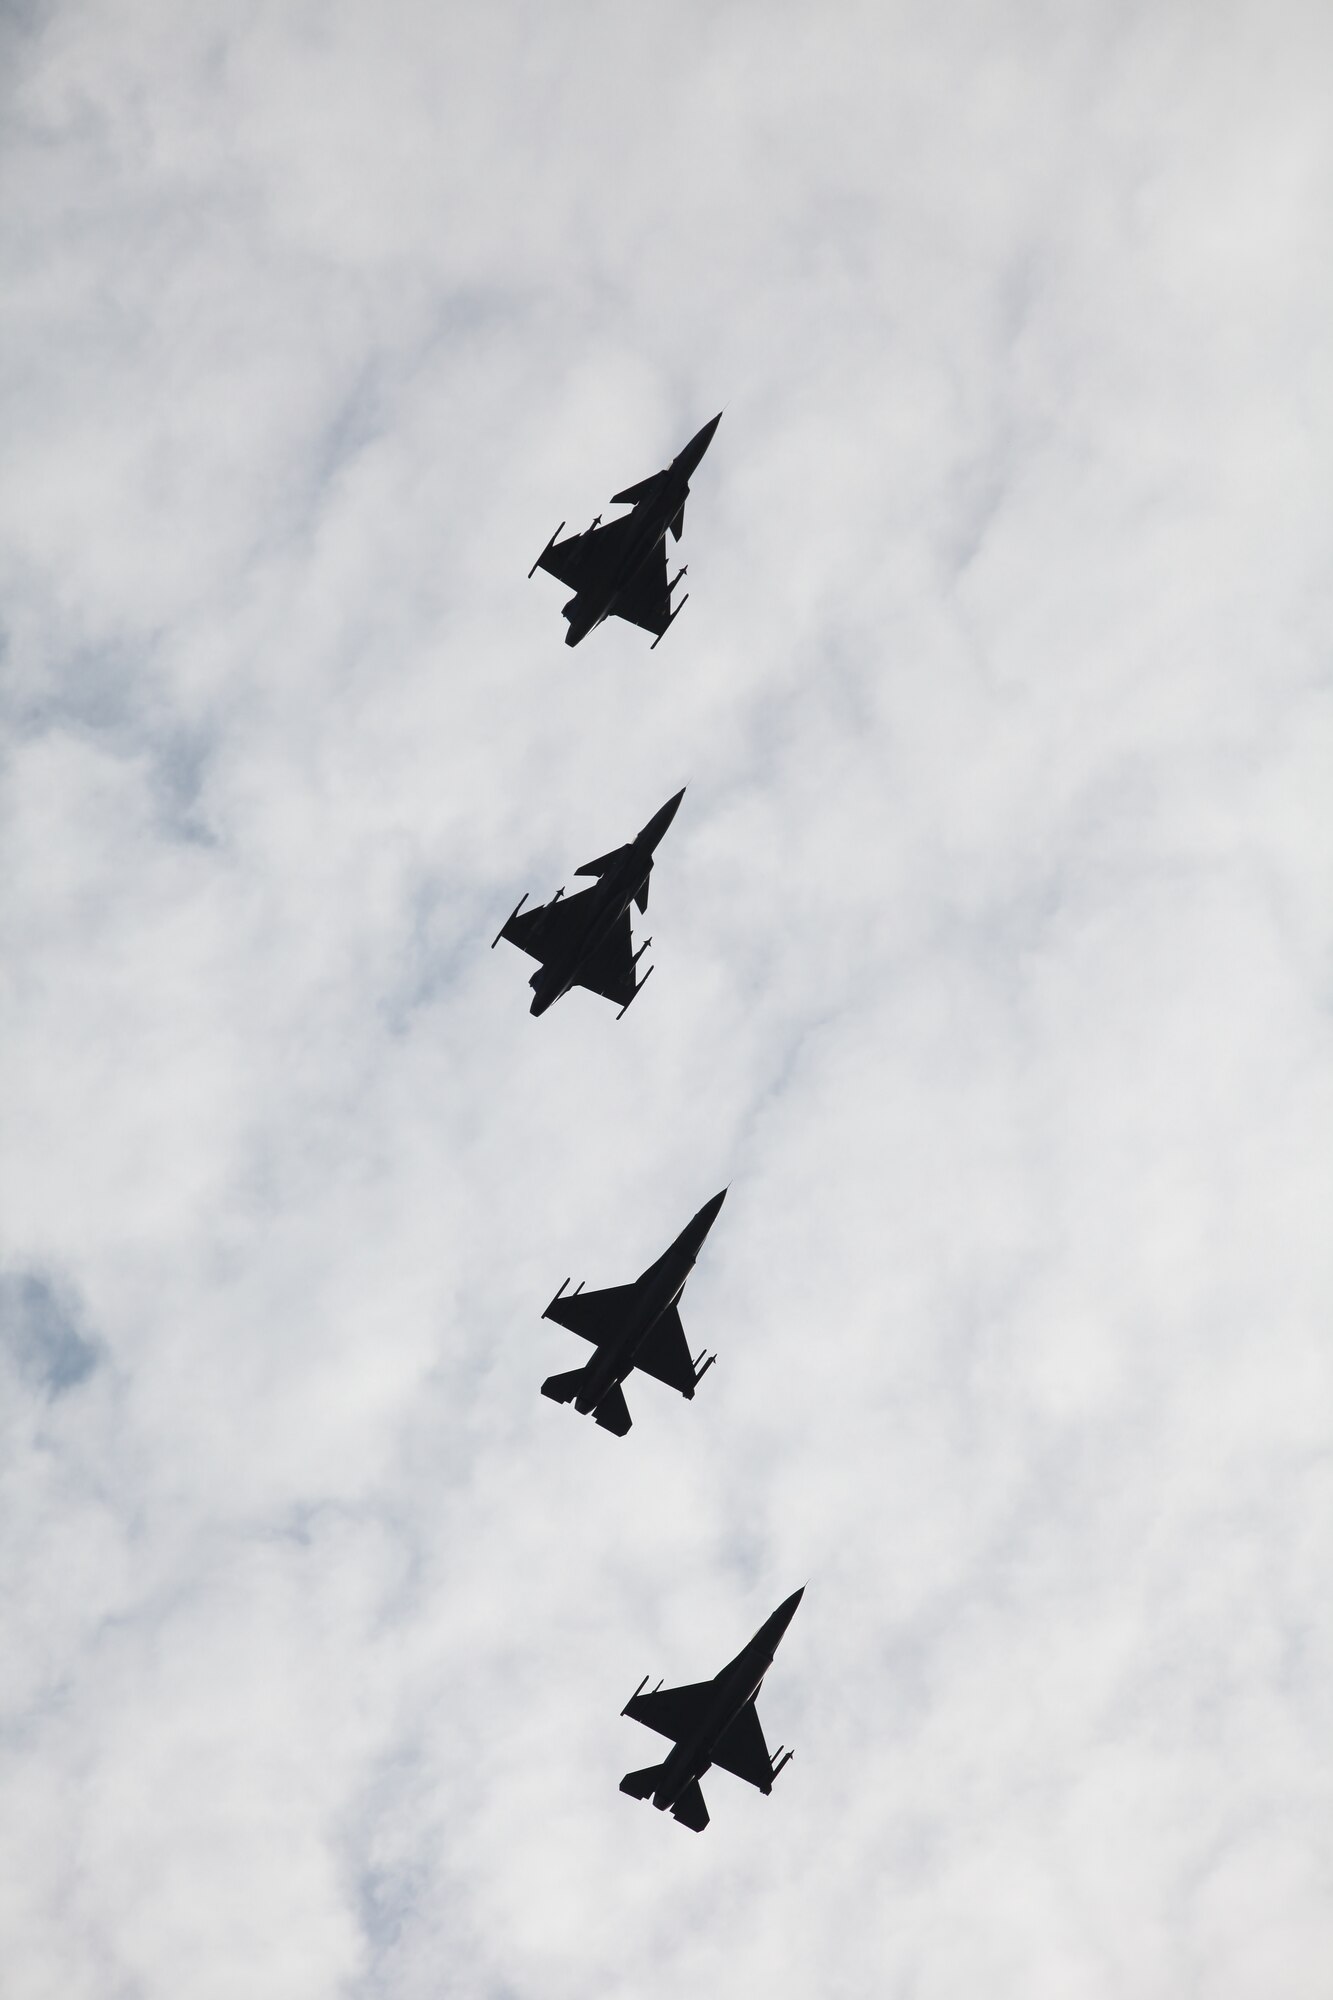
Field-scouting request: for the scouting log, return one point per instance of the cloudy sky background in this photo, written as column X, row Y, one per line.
column 993, row 976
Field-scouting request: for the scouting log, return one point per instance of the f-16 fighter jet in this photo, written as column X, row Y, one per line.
column 585, row 940
column 633, row 1326
column 620, row 570
column 712, row 1722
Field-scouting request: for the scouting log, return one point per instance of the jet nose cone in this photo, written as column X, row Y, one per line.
column 785, row 1612
column 707, row 1215
column 693, row 1236
column 660, row 821
column 700, row 442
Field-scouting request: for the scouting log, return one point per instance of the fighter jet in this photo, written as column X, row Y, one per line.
column 633, row 1326
column 585, row 941
column 620, row 570
column 711, row 1722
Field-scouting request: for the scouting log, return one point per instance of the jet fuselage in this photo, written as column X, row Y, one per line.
column 648, row 523
column 655, row 1292
column 737, row 1684
column 607, row 903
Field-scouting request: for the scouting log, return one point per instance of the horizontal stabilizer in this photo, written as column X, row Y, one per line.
column 633, row 494
column 612, row 1413
column 690, row 1809
column 564, row 1388
column 642, row 1784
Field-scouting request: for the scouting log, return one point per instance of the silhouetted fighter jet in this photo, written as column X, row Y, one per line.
column 585, row 940
column 633, row 1326
column 712, row 1722
column 620, row 570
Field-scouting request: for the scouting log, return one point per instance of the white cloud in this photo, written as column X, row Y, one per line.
column 991, row 943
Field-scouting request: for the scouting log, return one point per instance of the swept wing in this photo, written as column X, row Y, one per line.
column 552, row 930
column 680, row 1712
column 645, row 600
column 556, row 930
column 665, row 1354
column 589, row 561
column 595, row 1316
column 610, row 969
column 741, row 1749
column 673, row 1712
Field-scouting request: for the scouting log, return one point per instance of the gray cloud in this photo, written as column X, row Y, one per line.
column 40, row 1333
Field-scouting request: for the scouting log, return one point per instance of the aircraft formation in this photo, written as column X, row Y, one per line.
column 619, row 570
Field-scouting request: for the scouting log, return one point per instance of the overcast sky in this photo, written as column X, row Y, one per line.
column 993, row 977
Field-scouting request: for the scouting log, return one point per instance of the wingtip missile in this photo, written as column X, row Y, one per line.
column 509, row 919
column 670, row 622
column 556, row 1300
column 545, row 552
column 637, row 991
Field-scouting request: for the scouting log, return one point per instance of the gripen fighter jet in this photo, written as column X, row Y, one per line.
column 712, row 1722
column 633, row 1326
column 620, row 570
column 585, row 941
